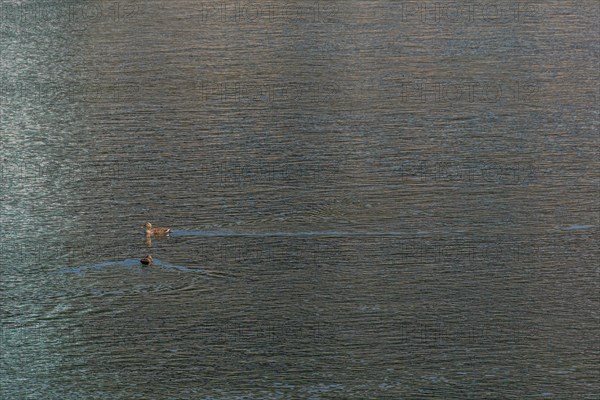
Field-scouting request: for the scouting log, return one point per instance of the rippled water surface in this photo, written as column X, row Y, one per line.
column 369, row 199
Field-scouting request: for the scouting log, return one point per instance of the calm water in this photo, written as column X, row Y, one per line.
column 370, row 200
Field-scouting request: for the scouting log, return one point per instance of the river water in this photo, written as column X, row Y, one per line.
column 370, row 199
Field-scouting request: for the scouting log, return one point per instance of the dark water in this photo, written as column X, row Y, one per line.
column 370, row 200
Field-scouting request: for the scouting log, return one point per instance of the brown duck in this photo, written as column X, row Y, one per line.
column 146, row 260
column 150, row 231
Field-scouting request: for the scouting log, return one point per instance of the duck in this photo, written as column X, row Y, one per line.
column 147, row 260
column 156, row 231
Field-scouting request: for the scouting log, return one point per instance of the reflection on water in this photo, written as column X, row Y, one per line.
column 128, row 263
column 370, row 200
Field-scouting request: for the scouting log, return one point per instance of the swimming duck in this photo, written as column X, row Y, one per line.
column 155, row 231
column 146, row 260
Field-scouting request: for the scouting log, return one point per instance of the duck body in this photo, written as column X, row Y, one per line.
column 146, row 260
column 150, row 231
